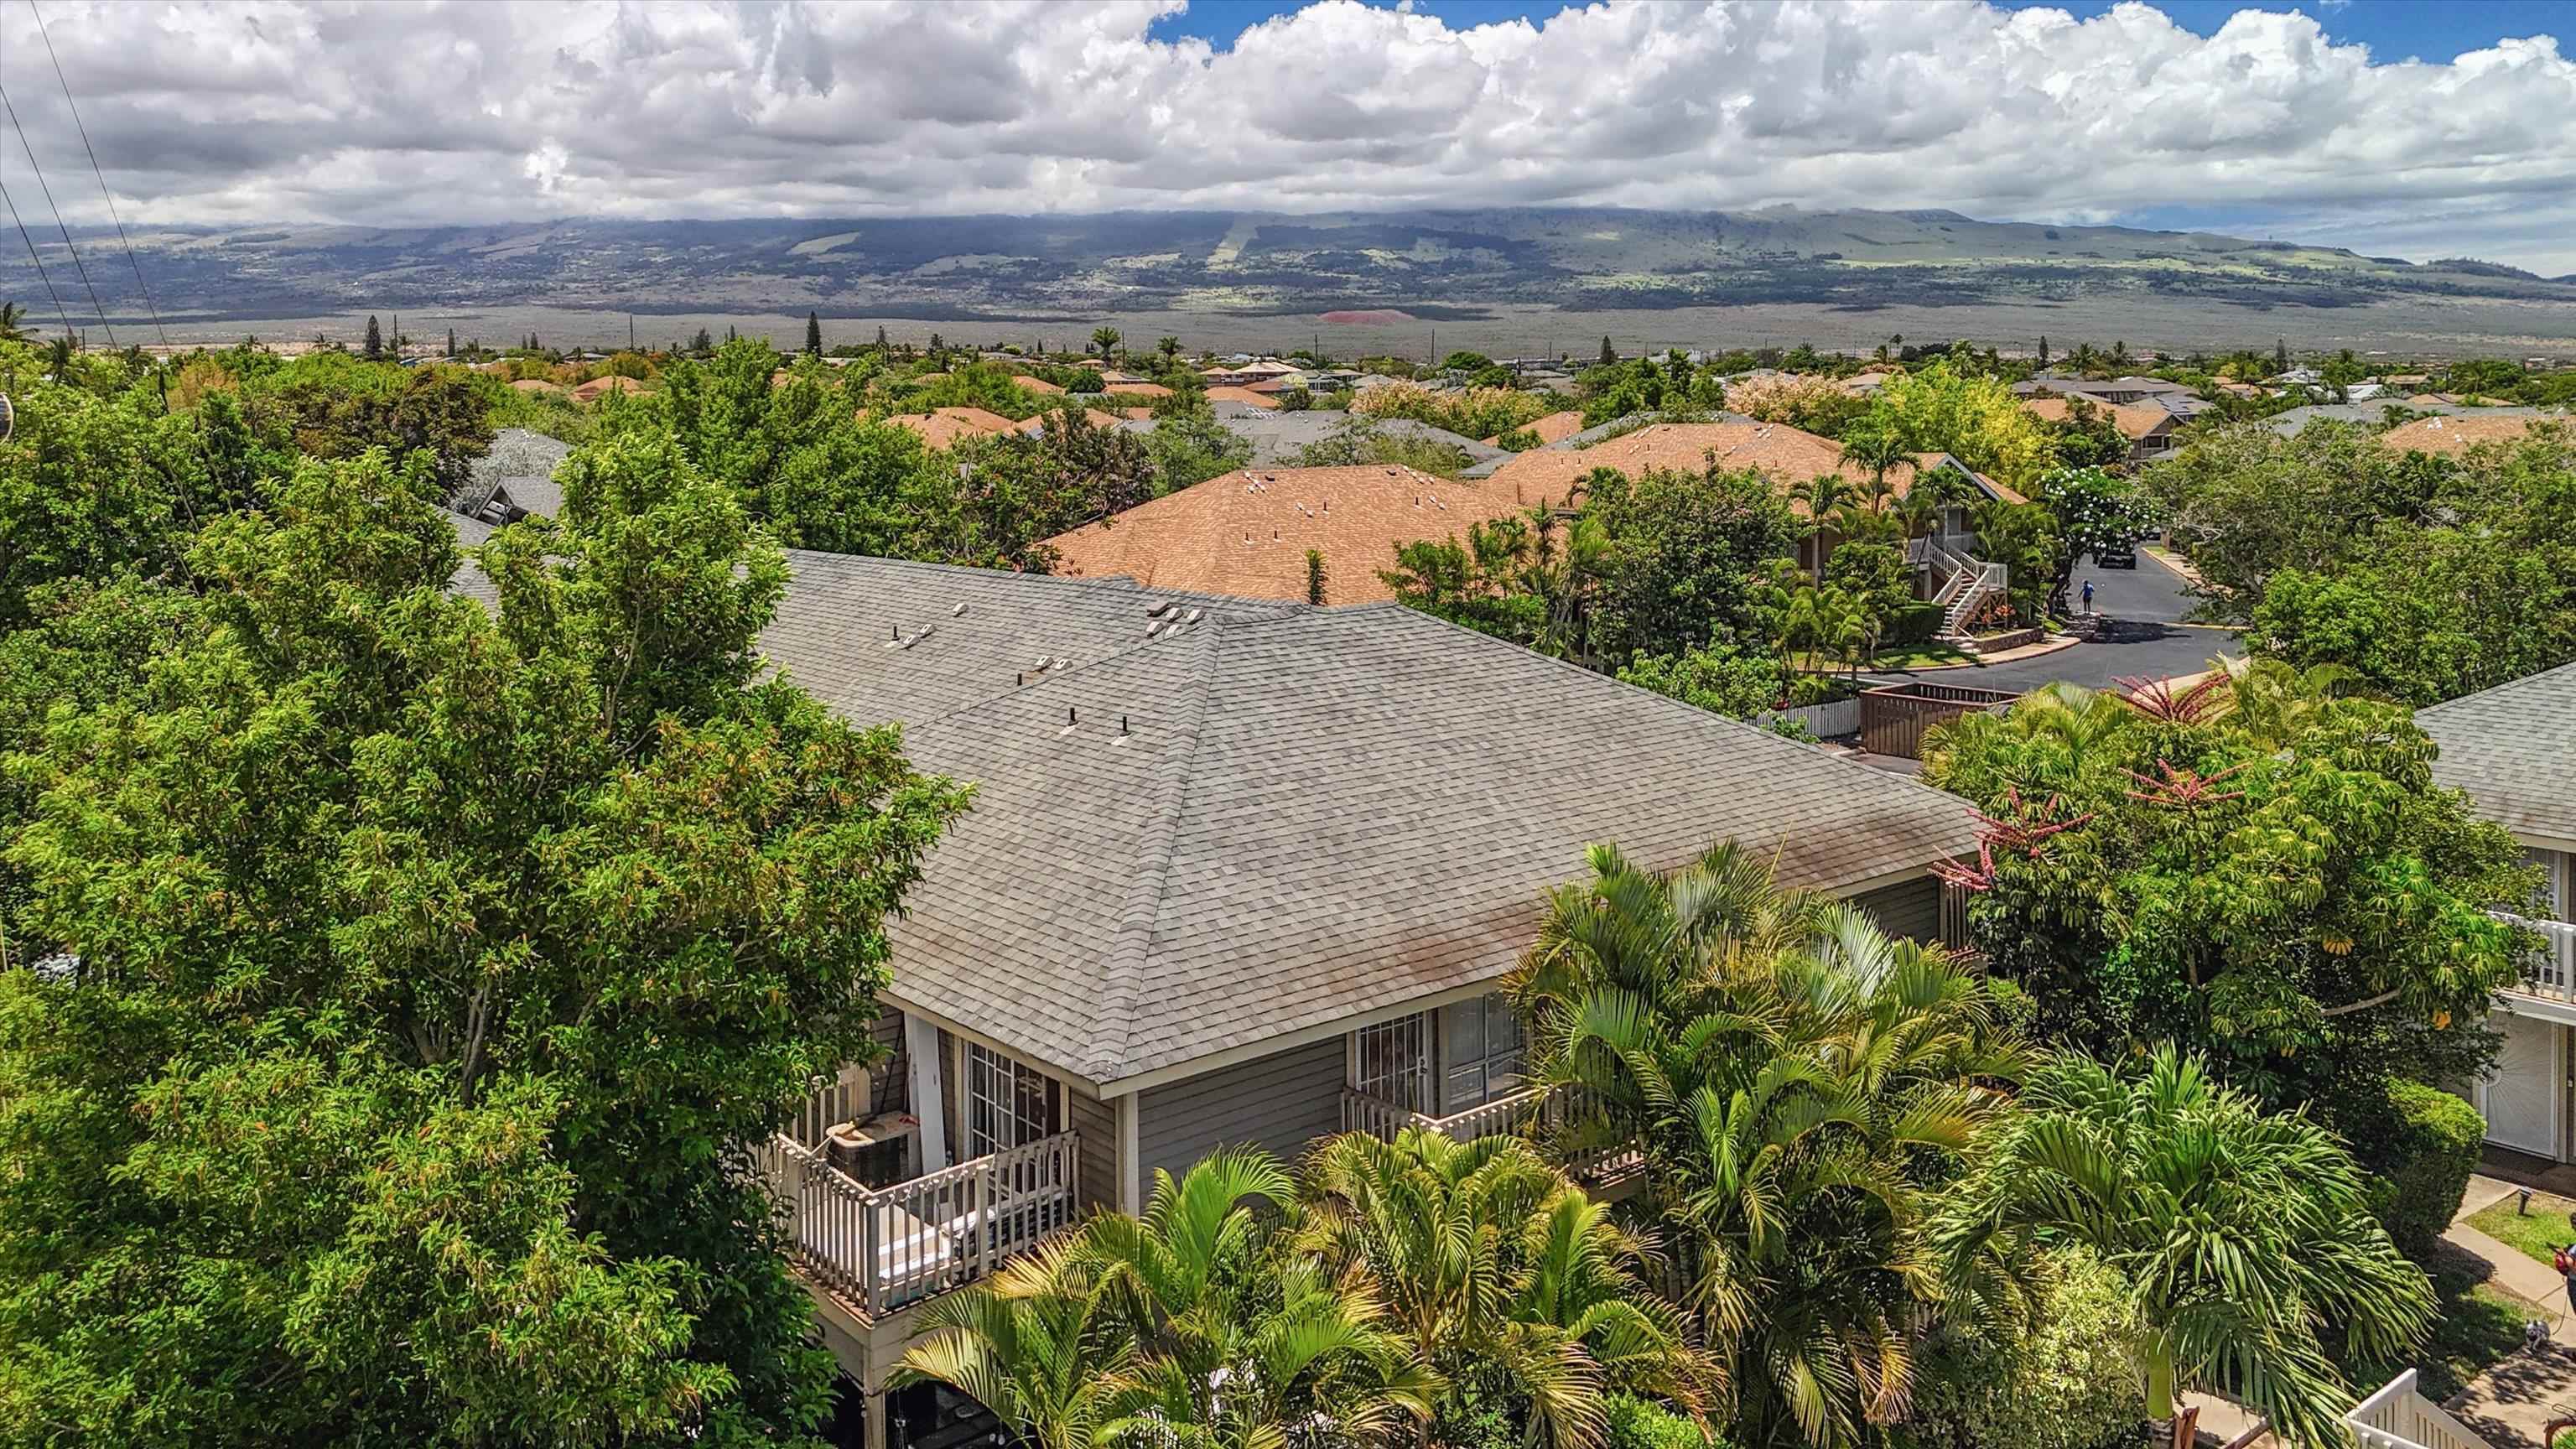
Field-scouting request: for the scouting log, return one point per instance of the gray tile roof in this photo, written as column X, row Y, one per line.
column 1310, row 814
column 2513, row 749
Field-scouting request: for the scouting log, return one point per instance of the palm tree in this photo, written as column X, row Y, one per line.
column 1104, row 340
column 1877, row 449
column 1169, row 347
column 1800, row 1086
column 1184, row 1324
column 12, row 318
column 2072, row 741
column 2276, row 702
column 2241, row 1235
column 1822, row 494
column 1035, row 1345
column 1500, row 1273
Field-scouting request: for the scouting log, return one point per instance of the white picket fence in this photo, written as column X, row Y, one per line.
column 1824, row 721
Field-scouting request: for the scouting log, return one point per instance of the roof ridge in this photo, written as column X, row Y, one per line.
column 2531, row 678
column 1749, row 727
column 1115, row 1021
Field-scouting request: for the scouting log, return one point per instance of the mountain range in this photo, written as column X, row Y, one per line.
column 1428, row 264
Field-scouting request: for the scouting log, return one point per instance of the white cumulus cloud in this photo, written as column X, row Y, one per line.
column 474, row 110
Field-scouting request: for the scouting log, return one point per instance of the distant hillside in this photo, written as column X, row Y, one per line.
column 1432, row 263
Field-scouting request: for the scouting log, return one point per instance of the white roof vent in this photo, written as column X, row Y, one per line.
column 1195, row 615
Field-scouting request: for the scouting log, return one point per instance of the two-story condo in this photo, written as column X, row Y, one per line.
column 2513, row 749
column 1237, row 871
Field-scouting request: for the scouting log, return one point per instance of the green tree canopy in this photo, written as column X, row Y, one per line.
column 425, row 970
column 2258, row 870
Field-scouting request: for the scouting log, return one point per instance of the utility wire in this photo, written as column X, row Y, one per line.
column 77, row 264
column 101, row 175
column 41, row 274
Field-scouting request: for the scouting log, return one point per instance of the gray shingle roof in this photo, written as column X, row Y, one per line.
column 2513, row 749
column 1312, row 813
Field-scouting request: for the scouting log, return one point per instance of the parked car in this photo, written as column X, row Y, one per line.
column 2115, row 558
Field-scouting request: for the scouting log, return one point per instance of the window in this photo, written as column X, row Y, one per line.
column 1394, row 1062
column 1007, row 1104
column 1480, row 1049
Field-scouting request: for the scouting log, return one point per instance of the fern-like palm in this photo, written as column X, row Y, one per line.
column 1187, row 1328
column 1801, row 1085
column 1500, row 1274
column 2243, row 1236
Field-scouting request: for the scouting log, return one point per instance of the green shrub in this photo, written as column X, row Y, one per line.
column 1636, row 1423
column 1518, row 440
column 2065, row 1380
column 2424, row 1153
column 1914, row 623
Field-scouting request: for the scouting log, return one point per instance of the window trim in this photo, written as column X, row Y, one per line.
column 996, row 1081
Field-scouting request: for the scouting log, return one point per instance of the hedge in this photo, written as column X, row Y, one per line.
column 1916, row 623
column 1635, row 1423
column 2427, row 1149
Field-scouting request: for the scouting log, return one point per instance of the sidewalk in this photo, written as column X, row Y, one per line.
column 2514, row 1400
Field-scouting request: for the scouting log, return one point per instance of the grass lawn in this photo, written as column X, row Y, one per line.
column 1890, row 656
column 2479, row 1325
column 2534, row 1233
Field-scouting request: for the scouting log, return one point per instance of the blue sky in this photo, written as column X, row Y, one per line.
column 2393, row 29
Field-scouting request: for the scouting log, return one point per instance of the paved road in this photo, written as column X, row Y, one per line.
column 2146, row 640
column 2150, row 592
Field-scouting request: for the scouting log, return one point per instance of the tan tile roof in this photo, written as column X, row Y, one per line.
column 2455, row 434
column 1247, row 533
column 1554, row 428
column 943, row 427
column 1787, row 456
column 1137, row 413
column 2134, row 420
column 536, row 384
column 1039, row 385
column 599, row 387
column 1139, row 389
column 1241, row 395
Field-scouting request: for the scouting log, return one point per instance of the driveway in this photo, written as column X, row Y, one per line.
column 2145, row 639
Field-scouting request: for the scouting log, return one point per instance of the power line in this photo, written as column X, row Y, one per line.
column 101, row 175
column 77, row 264
column 42, row 275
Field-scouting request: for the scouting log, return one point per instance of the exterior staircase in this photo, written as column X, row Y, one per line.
column 1968, row 584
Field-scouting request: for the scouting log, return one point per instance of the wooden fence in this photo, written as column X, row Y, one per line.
column 1893, row 719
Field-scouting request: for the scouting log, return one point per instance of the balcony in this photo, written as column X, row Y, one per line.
column 1534, row 1112
column 2549, row 972
column 881, row 1249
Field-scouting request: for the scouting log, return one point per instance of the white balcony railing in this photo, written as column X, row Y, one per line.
column 1534, row 1112
column 2550, row 971
column 884, row 1248
column 2398, row 1417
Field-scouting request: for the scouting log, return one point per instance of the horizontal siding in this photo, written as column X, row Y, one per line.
column 1283, row 1102
column 1911, row 909
column 1096, row 1122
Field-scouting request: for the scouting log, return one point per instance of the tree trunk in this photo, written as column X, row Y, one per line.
column 2159, row 1355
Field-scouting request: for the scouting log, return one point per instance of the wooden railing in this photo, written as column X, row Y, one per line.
column 884, row 1248
column 2550, row 971
column 831, row 1105
column 1537, row 1113
column 2399, row 1417
column 1892, row 720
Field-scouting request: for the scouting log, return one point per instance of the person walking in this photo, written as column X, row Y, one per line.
column 2088, row 596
